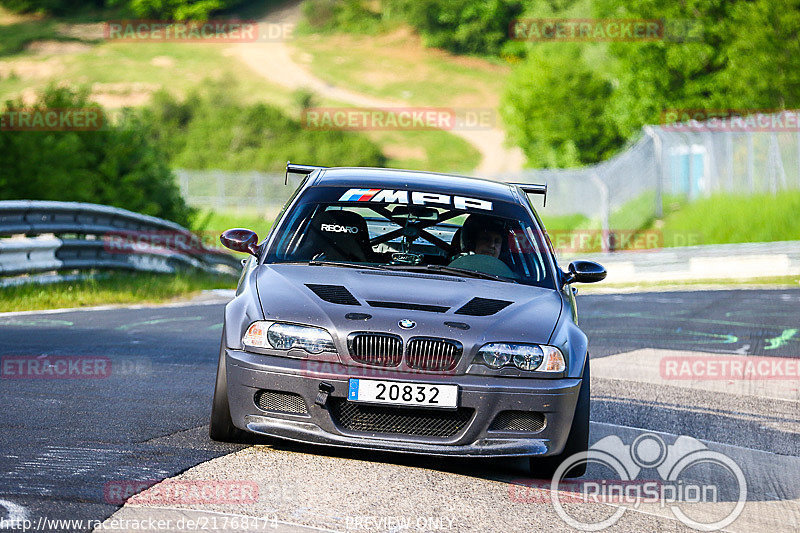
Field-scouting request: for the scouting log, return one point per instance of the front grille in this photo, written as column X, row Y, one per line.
column 398, row 420
column 482, row 307
column 281, row 402
column 433, row 354
column 529, row 421
column 380, row 349
column 335, row 294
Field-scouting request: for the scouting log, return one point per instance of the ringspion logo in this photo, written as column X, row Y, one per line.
column 670, row 481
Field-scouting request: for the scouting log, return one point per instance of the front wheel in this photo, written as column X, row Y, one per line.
column 577, row 441
column 221, row 426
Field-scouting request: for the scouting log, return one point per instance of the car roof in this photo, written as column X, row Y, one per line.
column 390, row 178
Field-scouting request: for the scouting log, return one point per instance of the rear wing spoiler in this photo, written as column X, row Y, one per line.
column 533, row 188
column 292, row 168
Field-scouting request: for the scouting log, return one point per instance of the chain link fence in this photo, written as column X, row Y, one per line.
column 624, row 193
column 671, row 162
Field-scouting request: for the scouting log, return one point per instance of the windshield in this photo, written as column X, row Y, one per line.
column 468, row 237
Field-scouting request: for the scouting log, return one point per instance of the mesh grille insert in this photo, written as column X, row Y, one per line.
column 281, row 402
column 529, row 421
column 335, row 294
column 398, row 420
column 380, row 349
column 483, row 307
column 433, row 354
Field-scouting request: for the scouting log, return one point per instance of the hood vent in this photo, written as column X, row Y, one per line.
column 409, row 306
column 483, row 307
column 335, row 294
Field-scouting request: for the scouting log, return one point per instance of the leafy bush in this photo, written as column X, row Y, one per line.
column 176, row 9
column 214, row 131
column 161, row 9
column 339, row 15
column 461, row 26
column 554, row 108
column 58, row 7
column 116, row 165
column 569, row 104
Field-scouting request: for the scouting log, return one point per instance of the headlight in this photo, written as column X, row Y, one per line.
column 527, row 357
column 282, row 336
column 495, row 355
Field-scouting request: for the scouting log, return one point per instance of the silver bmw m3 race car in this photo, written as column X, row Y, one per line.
column 406, row 311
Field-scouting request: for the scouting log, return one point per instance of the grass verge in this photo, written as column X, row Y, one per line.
column 397, row 66
column 212, row 223
column 728, row 218
column 114, row 288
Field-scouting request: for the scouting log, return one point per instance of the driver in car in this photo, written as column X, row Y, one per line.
column 481, row 242
column 488, row 242
column 482, row 235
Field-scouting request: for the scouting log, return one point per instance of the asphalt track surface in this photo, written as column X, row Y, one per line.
column 64, row 442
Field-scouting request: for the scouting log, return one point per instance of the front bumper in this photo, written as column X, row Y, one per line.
column 247, row 373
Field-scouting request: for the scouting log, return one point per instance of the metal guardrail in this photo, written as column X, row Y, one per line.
column 42, row 236
column 702, row 262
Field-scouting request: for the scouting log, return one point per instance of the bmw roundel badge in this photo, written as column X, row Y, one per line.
column 406, row 323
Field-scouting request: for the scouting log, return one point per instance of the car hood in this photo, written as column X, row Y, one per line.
column 528, row 314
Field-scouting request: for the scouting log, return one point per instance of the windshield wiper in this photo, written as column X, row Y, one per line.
column 317, row 262
column 452, row 270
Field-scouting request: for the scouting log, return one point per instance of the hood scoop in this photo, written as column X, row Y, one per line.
column 483, row 307
column 335, row 294
column 410, row 306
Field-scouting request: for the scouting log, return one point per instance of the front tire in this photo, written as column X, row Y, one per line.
column 221, row 426
column 577, row 441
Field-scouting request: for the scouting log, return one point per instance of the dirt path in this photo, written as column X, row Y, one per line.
column 273, row 61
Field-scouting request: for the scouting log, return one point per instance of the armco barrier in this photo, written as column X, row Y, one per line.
column 41, row 236
column 704, row 262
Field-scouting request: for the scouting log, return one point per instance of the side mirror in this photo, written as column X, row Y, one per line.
column 585, row 272
column 240, row 240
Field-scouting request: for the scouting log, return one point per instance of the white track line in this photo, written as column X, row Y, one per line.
column 16, row 513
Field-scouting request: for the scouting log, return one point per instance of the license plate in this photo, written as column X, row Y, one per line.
column 399, row 393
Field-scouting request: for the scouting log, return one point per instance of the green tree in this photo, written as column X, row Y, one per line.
column 461, row 26
column 730, row 54
column 118, row 165
column 211, row 130
column 555, row 108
